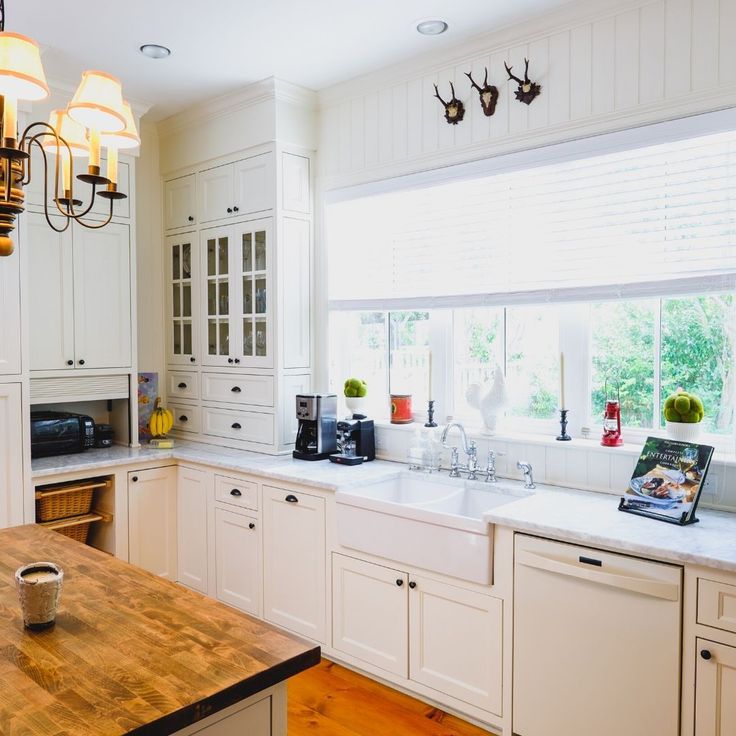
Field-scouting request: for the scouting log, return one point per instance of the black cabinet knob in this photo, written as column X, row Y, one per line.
column 705, row 654
column 237, row 360
column 81, row 362
column 134, row 479
column 190, row 218
column 236, row 208
column 235, row 492
column 229, row 210
column 399, row 582
column 412, row 585
column 236, row 389
column 183, row 418
column 235, row 425
column 192, row 359
column 70, row 362
column 182, row 385
column 251, row 525
column 291, row 498
column 229, row 360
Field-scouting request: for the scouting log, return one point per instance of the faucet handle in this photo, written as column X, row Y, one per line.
column 454, row 463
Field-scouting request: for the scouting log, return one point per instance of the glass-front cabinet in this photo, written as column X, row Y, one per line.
column 181, row 269
column 237, row 275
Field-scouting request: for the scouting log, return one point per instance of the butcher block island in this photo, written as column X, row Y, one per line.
column 133, row 654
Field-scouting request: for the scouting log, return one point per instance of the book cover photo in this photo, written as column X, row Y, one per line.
column 668, row 478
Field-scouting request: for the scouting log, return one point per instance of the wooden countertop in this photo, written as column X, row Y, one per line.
column 130, row 653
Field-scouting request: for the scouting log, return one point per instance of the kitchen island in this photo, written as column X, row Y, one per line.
column 133, row 654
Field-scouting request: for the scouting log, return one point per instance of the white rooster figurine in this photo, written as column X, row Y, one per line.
column 492, row 403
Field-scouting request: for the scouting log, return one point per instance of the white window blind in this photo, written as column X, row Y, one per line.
column 650, row 221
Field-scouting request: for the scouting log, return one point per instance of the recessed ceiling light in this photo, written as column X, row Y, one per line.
column 432, row 26
column 155, row 51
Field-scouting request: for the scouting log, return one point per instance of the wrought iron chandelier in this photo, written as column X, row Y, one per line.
column 97, row 116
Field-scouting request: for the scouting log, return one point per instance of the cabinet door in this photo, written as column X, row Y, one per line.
column 238, row 560
column 216, row 267
column 294, row 561
column 191, row 528
column 216, row 193
column 51, row 294
column 11, row 455
column 102, row 320
column 180, row 203
column 296, row 252
column 715, row 705
column 370, row 610
column 152, row 521
column 455, row 642
column 295, row 183
column 253, row 184
column 182, row 266
column 10, row 345
column 253, row 308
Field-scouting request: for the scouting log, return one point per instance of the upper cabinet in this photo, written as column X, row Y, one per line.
column 180, row 202
column 232, row 190
column 182, row 268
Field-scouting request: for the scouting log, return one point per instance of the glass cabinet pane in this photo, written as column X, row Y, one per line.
column 176, row 301
column 247, row 253
column 211, row 263
column 260, row 338
column 212, row 337
column 187, row 338
column 260, row 296
column 177, row 338
column 186, row 261
column 186, row 300
column 212, row 298
column 224, row 303
column 222, row 264
column 247, row 337
column 175, row 271
column 224, row 338
column 260, row 251
column 247, row 295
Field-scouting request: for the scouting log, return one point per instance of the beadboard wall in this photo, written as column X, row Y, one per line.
column 581, row 464
column 604, row 65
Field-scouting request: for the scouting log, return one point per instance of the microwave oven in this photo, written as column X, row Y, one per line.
column 60, row 433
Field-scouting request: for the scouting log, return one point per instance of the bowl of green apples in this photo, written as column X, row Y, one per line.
column 683, row 414
column 356, row 390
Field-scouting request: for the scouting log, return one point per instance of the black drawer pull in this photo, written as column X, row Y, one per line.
column 235, row 492
column 399, row 582
column 134, row 479
column 235, row 425
column 235, row 208
column 291, row 498
column 192, row 359
column 251, row 525
column 236, row 389
column 81, row 362
column 590, row 561
column 705, row 654
column 181, row 385
column 183, row 418
column 237, row 360
column 229, row 360
column 229, row 210
column 412, row 585
column 70, row 362
column 190, row 218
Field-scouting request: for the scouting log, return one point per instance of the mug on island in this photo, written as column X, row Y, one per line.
column 39, row 590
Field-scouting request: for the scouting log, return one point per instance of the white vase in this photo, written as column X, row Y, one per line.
column 682, row 431
column 356, row 404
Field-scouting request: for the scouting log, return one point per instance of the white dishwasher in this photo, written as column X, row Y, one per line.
column 596, row 642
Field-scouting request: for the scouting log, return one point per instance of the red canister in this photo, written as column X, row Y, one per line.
column 401, row 409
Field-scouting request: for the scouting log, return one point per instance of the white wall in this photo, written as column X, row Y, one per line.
column 603, row 65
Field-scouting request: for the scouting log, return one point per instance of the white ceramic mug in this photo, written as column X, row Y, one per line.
column 39, row 589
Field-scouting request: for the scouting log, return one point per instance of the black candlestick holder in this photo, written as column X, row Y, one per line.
column 430, row 414
column 564, row 436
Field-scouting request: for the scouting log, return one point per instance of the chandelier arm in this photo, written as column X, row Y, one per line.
column 2, row 15
column 97, row 225
column 35, row 139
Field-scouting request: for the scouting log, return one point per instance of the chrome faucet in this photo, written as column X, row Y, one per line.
column 526, row 468
column 469, row 448
column 491, row 467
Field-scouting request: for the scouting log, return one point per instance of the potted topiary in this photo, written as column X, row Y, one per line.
column 355, row 390
column 683, row 413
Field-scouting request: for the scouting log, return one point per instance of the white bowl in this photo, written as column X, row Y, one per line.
column 356, row 404
column 683, row 431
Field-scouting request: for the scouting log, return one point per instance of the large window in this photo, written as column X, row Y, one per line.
column 624, row 261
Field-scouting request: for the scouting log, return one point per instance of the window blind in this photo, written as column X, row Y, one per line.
column 652, row 221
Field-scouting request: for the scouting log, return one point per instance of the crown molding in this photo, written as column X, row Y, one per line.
column 265, row 90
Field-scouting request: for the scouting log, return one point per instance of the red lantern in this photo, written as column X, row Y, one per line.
column 612, row 421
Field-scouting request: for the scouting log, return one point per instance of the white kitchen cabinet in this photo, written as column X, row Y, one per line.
column 455, row 642
column 10, row 342
column 370, row 610
column 180, row 202
column 238, row 560
column 80, row 302
column 237, row 268
column 152, row 542
column 294, row 561
column 715, row 704
column 182, row 299
column 236, row 189
column 11, row 455
column 192, row 490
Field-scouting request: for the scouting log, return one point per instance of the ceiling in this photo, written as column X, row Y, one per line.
column 224, row 45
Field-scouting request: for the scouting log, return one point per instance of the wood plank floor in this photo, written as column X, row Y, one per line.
column 330, row 700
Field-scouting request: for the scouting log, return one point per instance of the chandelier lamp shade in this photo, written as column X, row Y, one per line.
column 96, row 117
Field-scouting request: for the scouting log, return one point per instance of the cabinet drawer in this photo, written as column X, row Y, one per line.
column 186, row 418
column 238, row 492
column 183, row 385
column 717, row 604
column 250, row 426
column 253, row 390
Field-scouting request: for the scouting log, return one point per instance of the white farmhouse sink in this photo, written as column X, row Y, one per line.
column 432, row 522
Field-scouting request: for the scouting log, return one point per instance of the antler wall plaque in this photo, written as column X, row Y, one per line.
column 527, row 90
column 454, row 108
column 488, row 93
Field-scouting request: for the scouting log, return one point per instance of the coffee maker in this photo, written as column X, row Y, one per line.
column 316, row 437
column 356, row 441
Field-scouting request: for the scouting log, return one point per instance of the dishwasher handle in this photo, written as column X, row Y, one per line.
column 645, row 586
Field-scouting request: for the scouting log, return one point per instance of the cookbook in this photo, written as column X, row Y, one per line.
column 668, row 480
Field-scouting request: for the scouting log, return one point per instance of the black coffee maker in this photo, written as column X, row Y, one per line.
column 316, row 437
column 356, row 440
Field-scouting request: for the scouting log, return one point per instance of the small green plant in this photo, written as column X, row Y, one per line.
column 355, row 388
column 683, row 407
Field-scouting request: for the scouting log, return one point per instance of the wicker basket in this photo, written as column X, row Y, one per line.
column 63, row 505
column 78, row 533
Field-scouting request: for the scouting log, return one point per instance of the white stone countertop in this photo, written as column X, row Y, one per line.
column 318, row 474
column 594, row 519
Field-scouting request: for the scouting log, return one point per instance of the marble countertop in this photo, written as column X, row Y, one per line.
column 594, row 519
column 322, row 474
